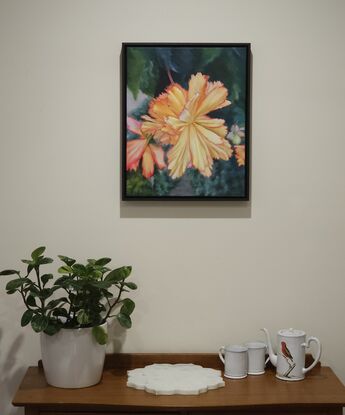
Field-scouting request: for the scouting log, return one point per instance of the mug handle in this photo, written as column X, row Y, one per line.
column 318, row 355
column 220, row 354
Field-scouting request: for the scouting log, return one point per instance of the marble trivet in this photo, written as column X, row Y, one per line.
column 175, row 379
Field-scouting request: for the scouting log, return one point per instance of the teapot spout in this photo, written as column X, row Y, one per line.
column 273, row 357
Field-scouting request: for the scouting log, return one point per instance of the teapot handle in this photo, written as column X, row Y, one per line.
column 318, row 355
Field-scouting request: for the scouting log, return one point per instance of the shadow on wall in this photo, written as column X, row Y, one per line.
column 117, row 336
column 195, row 209
column 11, row 375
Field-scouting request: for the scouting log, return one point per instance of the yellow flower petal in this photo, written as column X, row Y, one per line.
column 175, row 123
column 160, row 130
column 201, row 158
column 216, row 124
column 197, row 85
column 179, row 156
column 171, row 102
column 209, row 134
column 218, row 148
column 215, row 98
column 177, row 97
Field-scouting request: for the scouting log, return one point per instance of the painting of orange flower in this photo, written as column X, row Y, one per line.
column 185, row 121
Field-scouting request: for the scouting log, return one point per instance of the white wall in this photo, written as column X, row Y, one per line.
column 209, row 273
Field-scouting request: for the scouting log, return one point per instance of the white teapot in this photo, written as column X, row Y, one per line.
column 290, row 359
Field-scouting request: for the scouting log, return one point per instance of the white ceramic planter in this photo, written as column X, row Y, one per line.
column 72, row 358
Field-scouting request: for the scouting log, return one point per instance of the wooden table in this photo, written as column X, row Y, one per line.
column 320, row 393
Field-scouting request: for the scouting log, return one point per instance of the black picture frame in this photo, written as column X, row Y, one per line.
column 247, row 124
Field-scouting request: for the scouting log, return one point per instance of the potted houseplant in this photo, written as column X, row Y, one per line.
column 71, row 313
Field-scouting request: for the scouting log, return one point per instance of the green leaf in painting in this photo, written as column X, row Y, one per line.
column 209, row 55
column 135, row 67
column 149, row 77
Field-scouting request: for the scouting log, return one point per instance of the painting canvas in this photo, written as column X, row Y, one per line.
column 185, row 121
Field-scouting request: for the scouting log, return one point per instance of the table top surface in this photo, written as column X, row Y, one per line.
column 320, row 388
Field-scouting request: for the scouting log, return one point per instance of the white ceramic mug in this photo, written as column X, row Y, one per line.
column 256, row 358
column 235, row 359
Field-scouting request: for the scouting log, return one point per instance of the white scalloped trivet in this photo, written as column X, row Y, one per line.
column 178, row 379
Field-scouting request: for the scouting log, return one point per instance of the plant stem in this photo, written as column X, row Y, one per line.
column 115, row 302
column 37, row 270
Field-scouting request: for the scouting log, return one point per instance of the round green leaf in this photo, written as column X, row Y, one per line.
column 100, row 335
column 14, row 284
column 26, row 318
column 46, row 277
column 68, row 261
column 127, row 307
column 39, row 323
column 131, row 285
column 9, row 272
column 103, row 261
column 118, row 274
column 45, row 260
column 38, row 252
column 82, row 317
column 79, row 269
column 65, row 270
column 124, row 320
column 31, row 301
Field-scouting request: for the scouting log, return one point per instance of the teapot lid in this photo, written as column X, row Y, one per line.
column 291, row 332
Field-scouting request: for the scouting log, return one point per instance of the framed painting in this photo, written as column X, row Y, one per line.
column 185, row 121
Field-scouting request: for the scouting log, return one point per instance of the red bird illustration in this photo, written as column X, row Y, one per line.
column 286, row 351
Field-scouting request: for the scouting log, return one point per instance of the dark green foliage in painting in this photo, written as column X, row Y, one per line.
column 219, row 184
column 159, row 185
column 137, row 185
column 142, row 72
column 162, row 183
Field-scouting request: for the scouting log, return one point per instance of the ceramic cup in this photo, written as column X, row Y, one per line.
column 256, row 358
column 235, row 359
